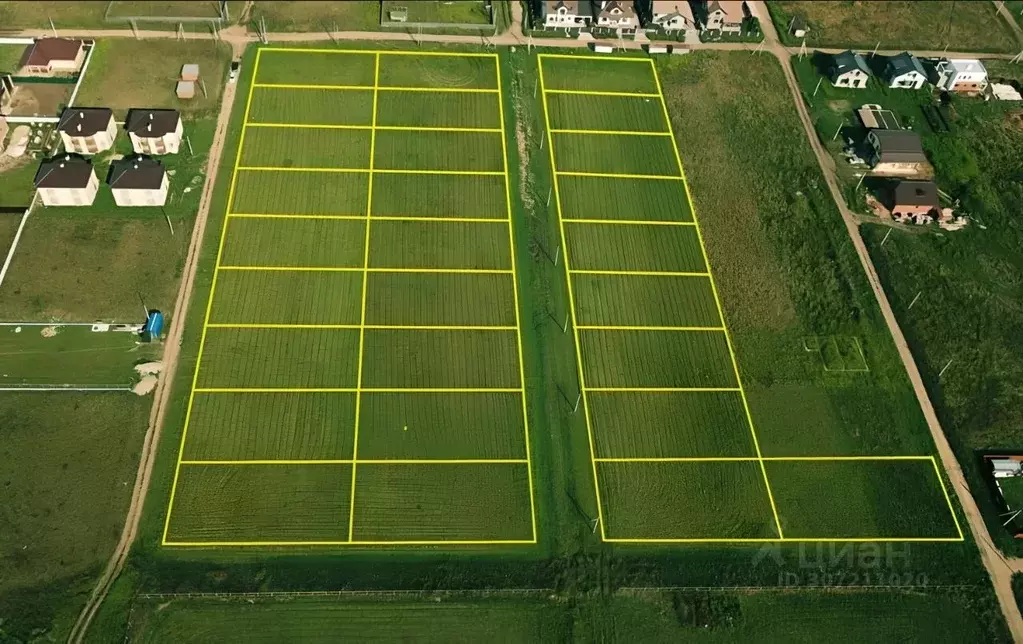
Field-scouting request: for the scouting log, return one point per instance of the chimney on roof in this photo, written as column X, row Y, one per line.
column 79, row 126
column 150, row 116
column 149, row 126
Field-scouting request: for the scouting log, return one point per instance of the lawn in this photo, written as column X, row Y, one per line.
column 101, row 262
column 125, row 73
column 1015, row 7
column 459, row 12
column 928, row 25
column 17, row 183
column 360, row 15
column 18, row 15
column 10, row 58
column 70, row 461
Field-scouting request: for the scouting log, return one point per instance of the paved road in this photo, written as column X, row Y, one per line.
column 999, row 568
column 172, row 346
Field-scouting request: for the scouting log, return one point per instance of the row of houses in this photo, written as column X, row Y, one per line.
column 964, row 76
column 725, row 16
column 70, row 180
column 91, row 130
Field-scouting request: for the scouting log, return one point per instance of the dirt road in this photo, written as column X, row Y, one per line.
column 172, row 347
column 999, row 568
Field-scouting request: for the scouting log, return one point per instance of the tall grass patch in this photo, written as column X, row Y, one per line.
column 430, row 502
column 656, row 359
column 261, row 503
column 293, row 358
column 676, row 424
column 685, row 500
column 259, row 241
column 440, row 299
column 270, row 426
column 644, row 300
column 870, row 499
column 315, row 68
column 635, row 248
column 618, row 199
column 287, row 297
column 311, row 106
column 421, row 195
column 446, row 109
column 434, row 359
column 290, row 147
column 616, row 153
column 441, row 426
column 439, row 244
column 300, row 192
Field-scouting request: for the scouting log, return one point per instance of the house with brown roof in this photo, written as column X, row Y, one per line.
column 66, row 181
column 616, row 14
column 673, row 15
column 49, row 56
column 87, row 130
column 138, row 181
column 154, row 131
column 726, row 16
column 897, row 153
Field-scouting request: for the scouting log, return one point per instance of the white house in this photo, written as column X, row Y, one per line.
column 66, row 181
column 138, row 181
column 726, row 15
column 905, row 71
column 848, row 69
column 673, row 15
column 617, row 14
column 87, row 130
column 565, row 14
column 962, row 75
column 154, row 131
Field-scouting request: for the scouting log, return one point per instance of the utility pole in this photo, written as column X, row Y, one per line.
column 914, row 300
column 888, row 234
column 52, row 28
column 943, row 369
column 876, row 47
column 819, row 81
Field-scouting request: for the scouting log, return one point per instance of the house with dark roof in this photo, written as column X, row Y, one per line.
column 915, row 201
column 154, row 131
column 905, row 71
column 138, row 181
column 87, row 130
column 48, row 56
column 848, row 69
column 897, row 153
column 66, row 180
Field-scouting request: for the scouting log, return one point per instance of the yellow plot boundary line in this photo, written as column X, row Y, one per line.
column 588, row 271
column 612, row 132
column 390, row 128
column 616, row 175
column 352, row 390
column 365, row 461
column 365, row 289
column 378, row 52
column 717, row 299
column 729, row 459
column 368, row 88
column 656, row 390
column 515, row 293
column 279, row 544
column 372, row 327
column 626, row 327
column 585, row 92
column 948, row 499
column 629, row 222
column 471, row 173
column 464, row 220
column 209, row 303
column 353, row 269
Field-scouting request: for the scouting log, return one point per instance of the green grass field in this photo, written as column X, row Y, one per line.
column 963, row 26
column 337, row 315
column 357, row 15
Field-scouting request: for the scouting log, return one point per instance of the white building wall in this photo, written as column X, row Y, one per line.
column 131, row 198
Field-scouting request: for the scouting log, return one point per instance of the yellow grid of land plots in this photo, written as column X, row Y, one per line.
column 360, row 377
column 674, row 451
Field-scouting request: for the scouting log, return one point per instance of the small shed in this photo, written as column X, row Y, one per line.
column 185, row 89
column 798, row 27
column 398, row 14
column 190, row 72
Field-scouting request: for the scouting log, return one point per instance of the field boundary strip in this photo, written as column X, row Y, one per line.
column 365, row 269
column 759, row 458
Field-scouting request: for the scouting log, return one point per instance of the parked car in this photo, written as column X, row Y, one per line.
column 235, row 67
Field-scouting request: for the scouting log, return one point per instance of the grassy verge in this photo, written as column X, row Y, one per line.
column 16, row 183
column 126, row 73
column 928, row 24
column 69, row 461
